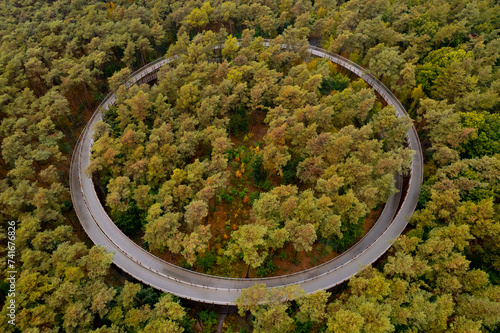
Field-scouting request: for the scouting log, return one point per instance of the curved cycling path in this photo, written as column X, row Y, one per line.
column 162, row 275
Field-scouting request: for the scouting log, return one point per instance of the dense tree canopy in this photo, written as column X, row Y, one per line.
column 439, row 57
column 167, row 147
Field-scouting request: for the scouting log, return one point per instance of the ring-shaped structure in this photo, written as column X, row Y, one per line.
column 184, row 283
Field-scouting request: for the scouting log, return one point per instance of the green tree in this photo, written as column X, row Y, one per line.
column 249, row 241
column 385, row 63
column 97, row 262
column 301, row 235
column 444, row 128
column 486, row 139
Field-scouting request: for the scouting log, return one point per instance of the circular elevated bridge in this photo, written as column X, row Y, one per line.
column 184, row 283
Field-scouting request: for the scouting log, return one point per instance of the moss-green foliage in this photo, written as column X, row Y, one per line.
column 337, row 82
column 238, row 122
column 165, row 156
column 486, row 139
column 131, row 221
column 259, row 174
column 349, row 236
column 290, row 171
column 209, row 320
column 148, row 295
column 267, row 269
column 436, row 61
column 206, row 261
column 55, row 57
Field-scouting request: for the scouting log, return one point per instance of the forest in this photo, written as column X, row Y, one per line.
column 163, row 154
column 240, row 159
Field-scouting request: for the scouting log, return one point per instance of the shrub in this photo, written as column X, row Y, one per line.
column 282, row 255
